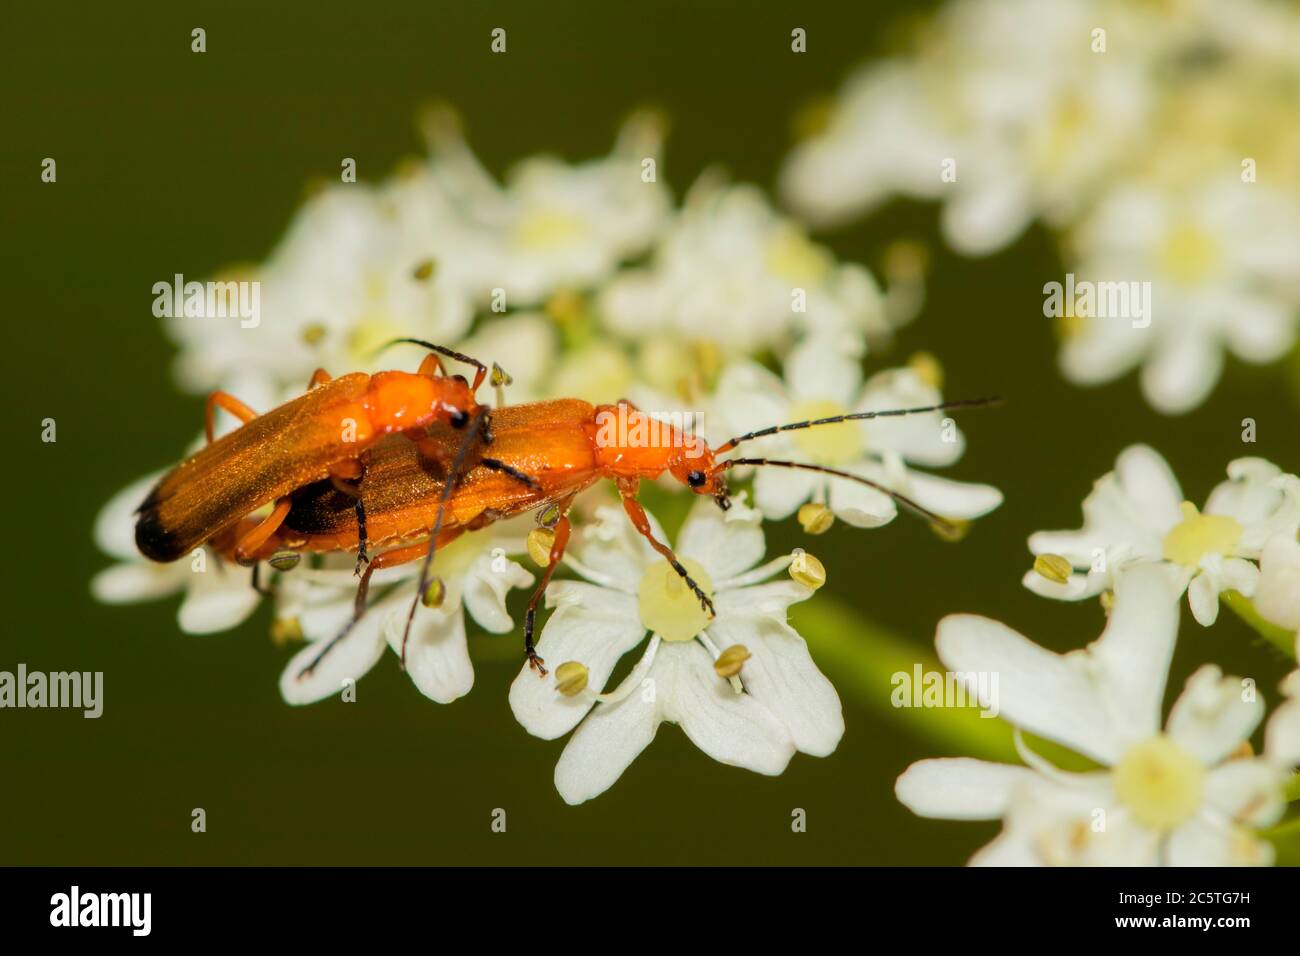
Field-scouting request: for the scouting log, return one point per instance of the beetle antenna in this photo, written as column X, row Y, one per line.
column 858, row 416
column 443, row 350
column 938, row 522
column 477, row 424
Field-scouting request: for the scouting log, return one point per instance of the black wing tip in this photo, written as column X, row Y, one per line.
column 155, row 541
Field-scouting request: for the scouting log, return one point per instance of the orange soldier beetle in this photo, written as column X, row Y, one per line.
column 543, row 455
column 321, row 434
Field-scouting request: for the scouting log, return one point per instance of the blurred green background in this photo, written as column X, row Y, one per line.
column 174, row 162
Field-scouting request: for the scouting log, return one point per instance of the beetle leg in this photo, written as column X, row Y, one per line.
column 343, row 476
column 255, row 537
column 227, row 402
column 627, row 489
column 431, row 364
column 258, row 586
column 318, row 377
column 362, row 557
column 562, row 529
column 492, row 464
column 385, row 559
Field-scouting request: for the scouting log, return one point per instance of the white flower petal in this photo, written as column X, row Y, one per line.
column 594, row 637
column 1130, row 661
column 1282, row 733
column 779, row 491
column 606, row 743
column 437, row 654
column 1277, row 592
column 731, row 728
column 1248, row 791
column 218, row 599
column 1250, row 494
column 771, row 599
column 1212, row 715
column 485, row 587
column 959, row 788
column 781, row 676
column 1260, row 330
column 981, row 220
column 824, row 368
column 725, row 545
column 1037, row 690
column 860, row 505
column 115, row 523
column 612, row 547
column 135, row 581
column 1203, row 598
column 1010, row 848
column 1076, row 588
column 952, row 499
column 921, row 438
column 753, row 396
column 349, row 659
column 1183, row 372
column 1149, row 483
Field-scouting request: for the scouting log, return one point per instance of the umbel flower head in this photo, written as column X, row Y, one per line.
column 1150, row 138
column 742, row 686
column 1183, row 792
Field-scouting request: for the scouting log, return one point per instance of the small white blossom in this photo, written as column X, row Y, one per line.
column 1136, row 515
column 1186, row 795
column 778, row 703
column 1223, row 261
column 341, row 283
column 733, row 272
column 552, row 226
column 1007, row 91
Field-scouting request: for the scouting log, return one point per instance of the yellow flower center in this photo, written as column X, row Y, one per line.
column 547, row 228
column 1198, row 535
column 1188, row 253
column 1159, row 782
column 667, row 606
column 369, row 334
column 826, row 444
column 792, row 256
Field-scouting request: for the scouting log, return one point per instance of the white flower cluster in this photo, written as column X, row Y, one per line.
column 1157, row 140
column 1192, row 793
column 582, row 281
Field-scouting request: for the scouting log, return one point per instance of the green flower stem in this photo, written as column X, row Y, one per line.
column 1244, row 608
column 1285, row 838
column 1293, row 788
column 861, row 660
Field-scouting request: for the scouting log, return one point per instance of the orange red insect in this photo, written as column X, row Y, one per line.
column 415, row 477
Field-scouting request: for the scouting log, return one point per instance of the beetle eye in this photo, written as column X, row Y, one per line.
column 695, row 479
column 459, row 419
